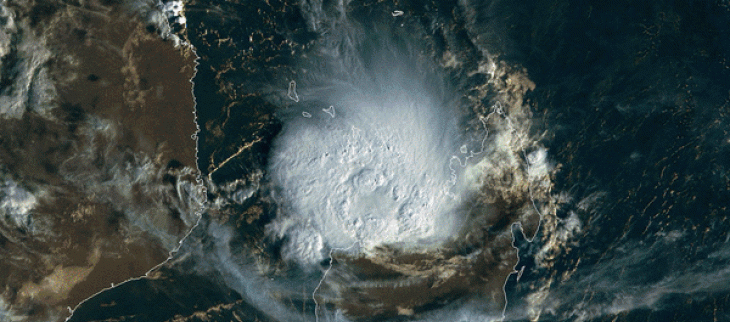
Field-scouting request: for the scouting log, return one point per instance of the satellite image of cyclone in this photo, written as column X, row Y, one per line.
column 364, row 160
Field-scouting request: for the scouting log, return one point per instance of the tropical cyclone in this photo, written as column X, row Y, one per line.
column 411, row 188
column 376, row 174
column 633, row 124
column 359, row 165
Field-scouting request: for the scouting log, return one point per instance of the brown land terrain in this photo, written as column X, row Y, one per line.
column 106, row 165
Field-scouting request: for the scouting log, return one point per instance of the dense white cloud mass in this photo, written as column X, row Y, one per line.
column 16, row 204
column 26, row 85
column 377, row 173
column 374, row 149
